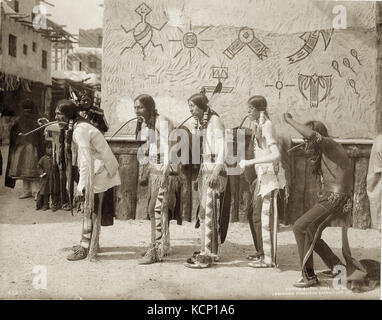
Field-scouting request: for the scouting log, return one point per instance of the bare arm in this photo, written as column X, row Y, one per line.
column 220, row 143
column 305, row 131
column 269, row 158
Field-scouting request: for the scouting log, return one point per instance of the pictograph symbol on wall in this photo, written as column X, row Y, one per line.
column 347, row 64
column 143, row 31
column 310, row 42
column 313, row 83
column 335, row 66
column 279, row 84
column 218, row 73
column 190, row 41
column 246, row 37
column 354, row 53
column 352, row 85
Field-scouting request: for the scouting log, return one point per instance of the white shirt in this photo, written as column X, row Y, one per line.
column 214, row 143
column 271, row 176
column 95, row 157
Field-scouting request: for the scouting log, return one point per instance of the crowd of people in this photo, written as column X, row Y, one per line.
column 76, row 153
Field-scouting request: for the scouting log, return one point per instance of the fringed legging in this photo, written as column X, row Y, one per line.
column 161, row 231
column 309, row 227
column 161, row 201
column 209, row 212
column 91, row 225
column 269, row 227
column 209, row 234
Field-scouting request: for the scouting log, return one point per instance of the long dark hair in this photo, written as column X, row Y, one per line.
column 259, row 103
column 148, row 102
column 96, row 117
column 200, row 100
column 319, row 127
column 70, row 110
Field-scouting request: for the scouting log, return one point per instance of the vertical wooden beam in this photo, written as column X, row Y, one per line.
column 142, row 192
column 296, row 206
column 55, row 56
column 378, row 123
column 234, row 185
column 195, row 191
column 185, row 175
column 361, row 206
column 245, row 199
column 126, row 194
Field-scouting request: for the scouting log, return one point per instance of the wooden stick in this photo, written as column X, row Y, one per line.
column 40, row 128
column 184, row 122
column 96, row 221
column 295, row 147
column 121, row 127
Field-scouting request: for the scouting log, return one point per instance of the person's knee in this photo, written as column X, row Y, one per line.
column 297, row 227
column 250, row 216
column 256, row 218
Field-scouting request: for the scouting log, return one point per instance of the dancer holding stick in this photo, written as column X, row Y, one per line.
column 98, row 173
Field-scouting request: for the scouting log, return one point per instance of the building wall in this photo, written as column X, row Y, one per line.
column 1, row 41
column 90, row 38
column 25, row 6
column 85, row 59
column 178, row 60
column 378, row 119
column 26, row 66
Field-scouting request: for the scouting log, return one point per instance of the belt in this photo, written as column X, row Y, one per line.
column 204, row 170
column 209, row 158
column 156, row 158
column 336, row 188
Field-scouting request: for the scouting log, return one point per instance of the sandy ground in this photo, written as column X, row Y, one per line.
column 30, row 238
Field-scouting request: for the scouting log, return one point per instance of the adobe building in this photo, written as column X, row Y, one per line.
column 25, row 62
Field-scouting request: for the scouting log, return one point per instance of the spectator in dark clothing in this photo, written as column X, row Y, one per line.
column 46, row 182
column 24, row 152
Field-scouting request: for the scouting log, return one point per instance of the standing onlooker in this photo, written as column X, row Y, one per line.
column 45, row 164
column 58, row 193
column 374, row 182
column 24, row 152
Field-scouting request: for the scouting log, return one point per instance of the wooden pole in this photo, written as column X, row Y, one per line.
column 96, row 220
column 378, row 124
column 55, row 57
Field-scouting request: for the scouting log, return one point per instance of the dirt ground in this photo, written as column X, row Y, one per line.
column 30, row 238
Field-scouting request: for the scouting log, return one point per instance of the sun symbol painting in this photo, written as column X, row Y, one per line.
column 190, row 41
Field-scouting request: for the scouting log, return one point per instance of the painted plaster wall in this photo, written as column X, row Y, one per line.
column 1, row 41
column 184, row 40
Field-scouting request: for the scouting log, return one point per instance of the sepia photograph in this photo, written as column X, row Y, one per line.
column 177, row 150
